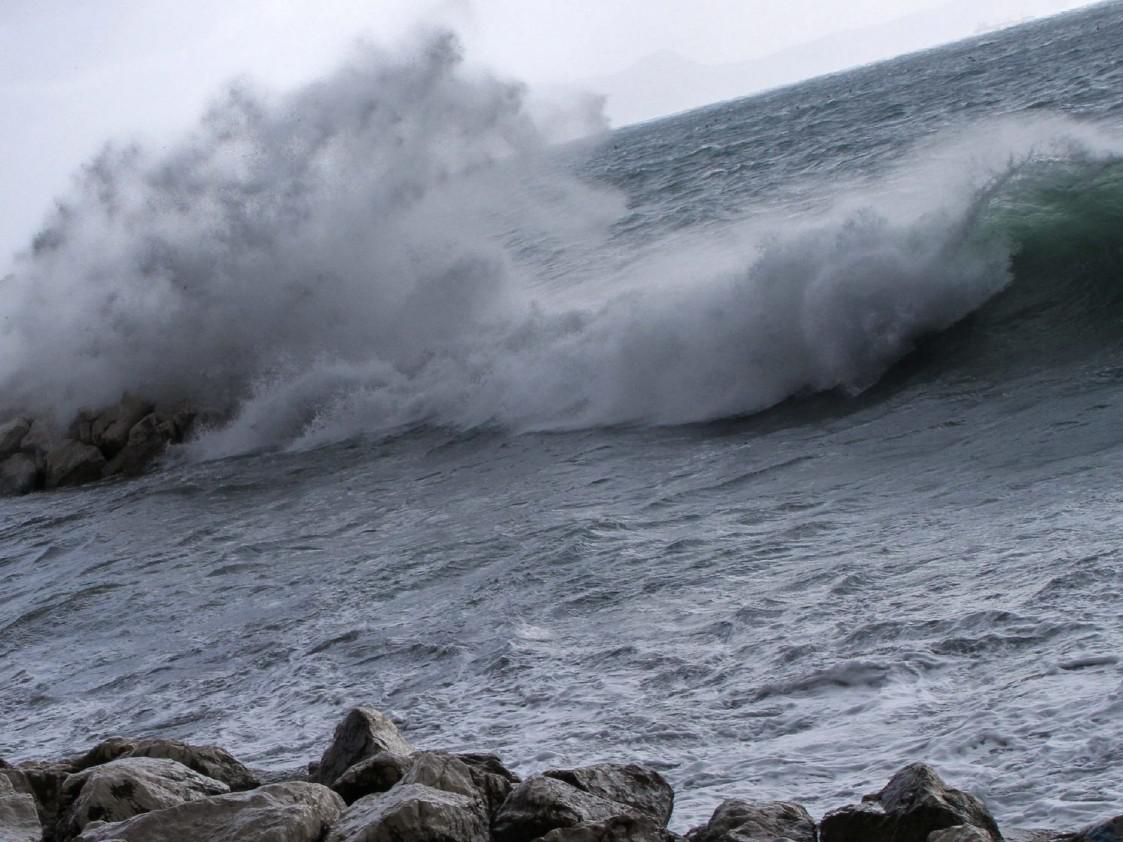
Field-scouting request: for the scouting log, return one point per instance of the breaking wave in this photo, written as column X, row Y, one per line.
column 383, row 249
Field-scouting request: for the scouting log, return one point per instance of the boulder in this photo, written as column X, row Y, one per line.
column 73, row 463
column 491, row 777
column 210, row 761
column 288, row 812
column 373, row 775
column 413, row 812
column 756, row 821
column 363, row 733
column 637, row 786
column 1105, row 831
column 541, row 804
column 619, row 829
column 960, row 833
column 19, row 819
column 913, row 804
column 147, row 440
column 11, row 436
column 110, row 430
column 42, row 781
column 38, row 440
column 129, row 786
column 19, row 474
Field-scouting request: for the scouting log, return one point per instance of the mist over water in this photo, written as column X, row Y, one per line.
column 774, row 444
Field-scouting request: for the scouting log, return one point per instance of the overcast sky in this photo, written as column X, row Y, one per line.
column 74, row 73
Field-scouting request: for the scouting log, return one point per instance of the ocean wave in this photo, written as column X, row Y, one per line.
column 382, row 250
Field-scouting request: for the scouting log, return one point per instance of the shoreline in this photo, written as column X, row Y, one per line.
column 372, row 785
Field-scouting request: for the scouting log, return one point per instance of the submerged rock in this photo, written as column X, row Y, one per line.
column 915, row 803
column 363, row 733
column 416, row 813
column 129, row 786
column 541, row 804
column 19, row 819
column 288, row 812
column 752, row 821
column 639, row 787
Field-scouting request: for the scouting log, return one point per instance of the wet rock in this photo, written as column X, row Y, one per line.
column 639, row 787
column 443, row 772
column 110, row 430
column 541, row 804
column 363, row 733
column 128, row 786
column 373, row 775
column 619, row 829
column 19, row 474
column 753, row 821
column 416, row 813
column 913, row 804
column 960, row 833
column 1106, row 831
column 288, row 812
column 491, row 777
column 11, row 436
column 147, row 440
column 38, row 440
column 19, row 819
column 211, row 761
column 73, row 463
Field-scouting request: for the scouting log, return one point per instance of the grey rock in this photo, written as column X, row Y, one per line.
column 637, row 786
column 39, row 439
column 373, row 775
column 73, row 463
column 363, row 733
column 913, row 804
column 19, row 819
column 126, row 787
column 42, row 781
column 413, row 812
column 1105, row 831
column 288, row 812
column 492, row 778
column 619, row 829
column 756, row 821
column 541, row 804
column 11, row 436
column 959, row 833
column 147, row 440
column 211, row 761
column 19, row 474
column 110, row 430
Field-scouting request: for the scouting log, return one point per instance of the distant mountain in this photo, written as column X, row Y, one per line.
column 666, row 83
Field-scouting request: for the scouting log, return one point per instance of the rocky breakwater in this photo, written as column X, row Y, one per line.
column 120, row 440
column 372, row 785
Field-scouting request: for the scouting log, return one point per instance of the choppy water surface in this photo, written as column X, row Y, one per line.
column 576, row 532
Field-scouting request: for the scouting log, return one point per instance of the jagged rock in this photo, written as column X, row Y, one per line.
column 492, row 778
column 19, row 819
column 42, row 781
column 373, row 775
column 413, row 812
column 11, row 436
column 73, row 463
column 619, row 829
column 363, row 733
column 110, row 430
column 1105, row 831
column 960, row 833
column 288, row 812
column 639, row 787
column 19, row 474
column 541, row 804
column 443, row 772
column 913, row 804
column 756, row 821
column 128, row 786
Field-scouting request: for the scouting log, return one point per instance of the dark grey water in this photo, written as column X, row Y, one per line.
column 581, row 534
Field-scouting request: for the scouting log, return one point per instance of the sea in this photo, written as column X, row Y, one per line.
column 776, row 445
